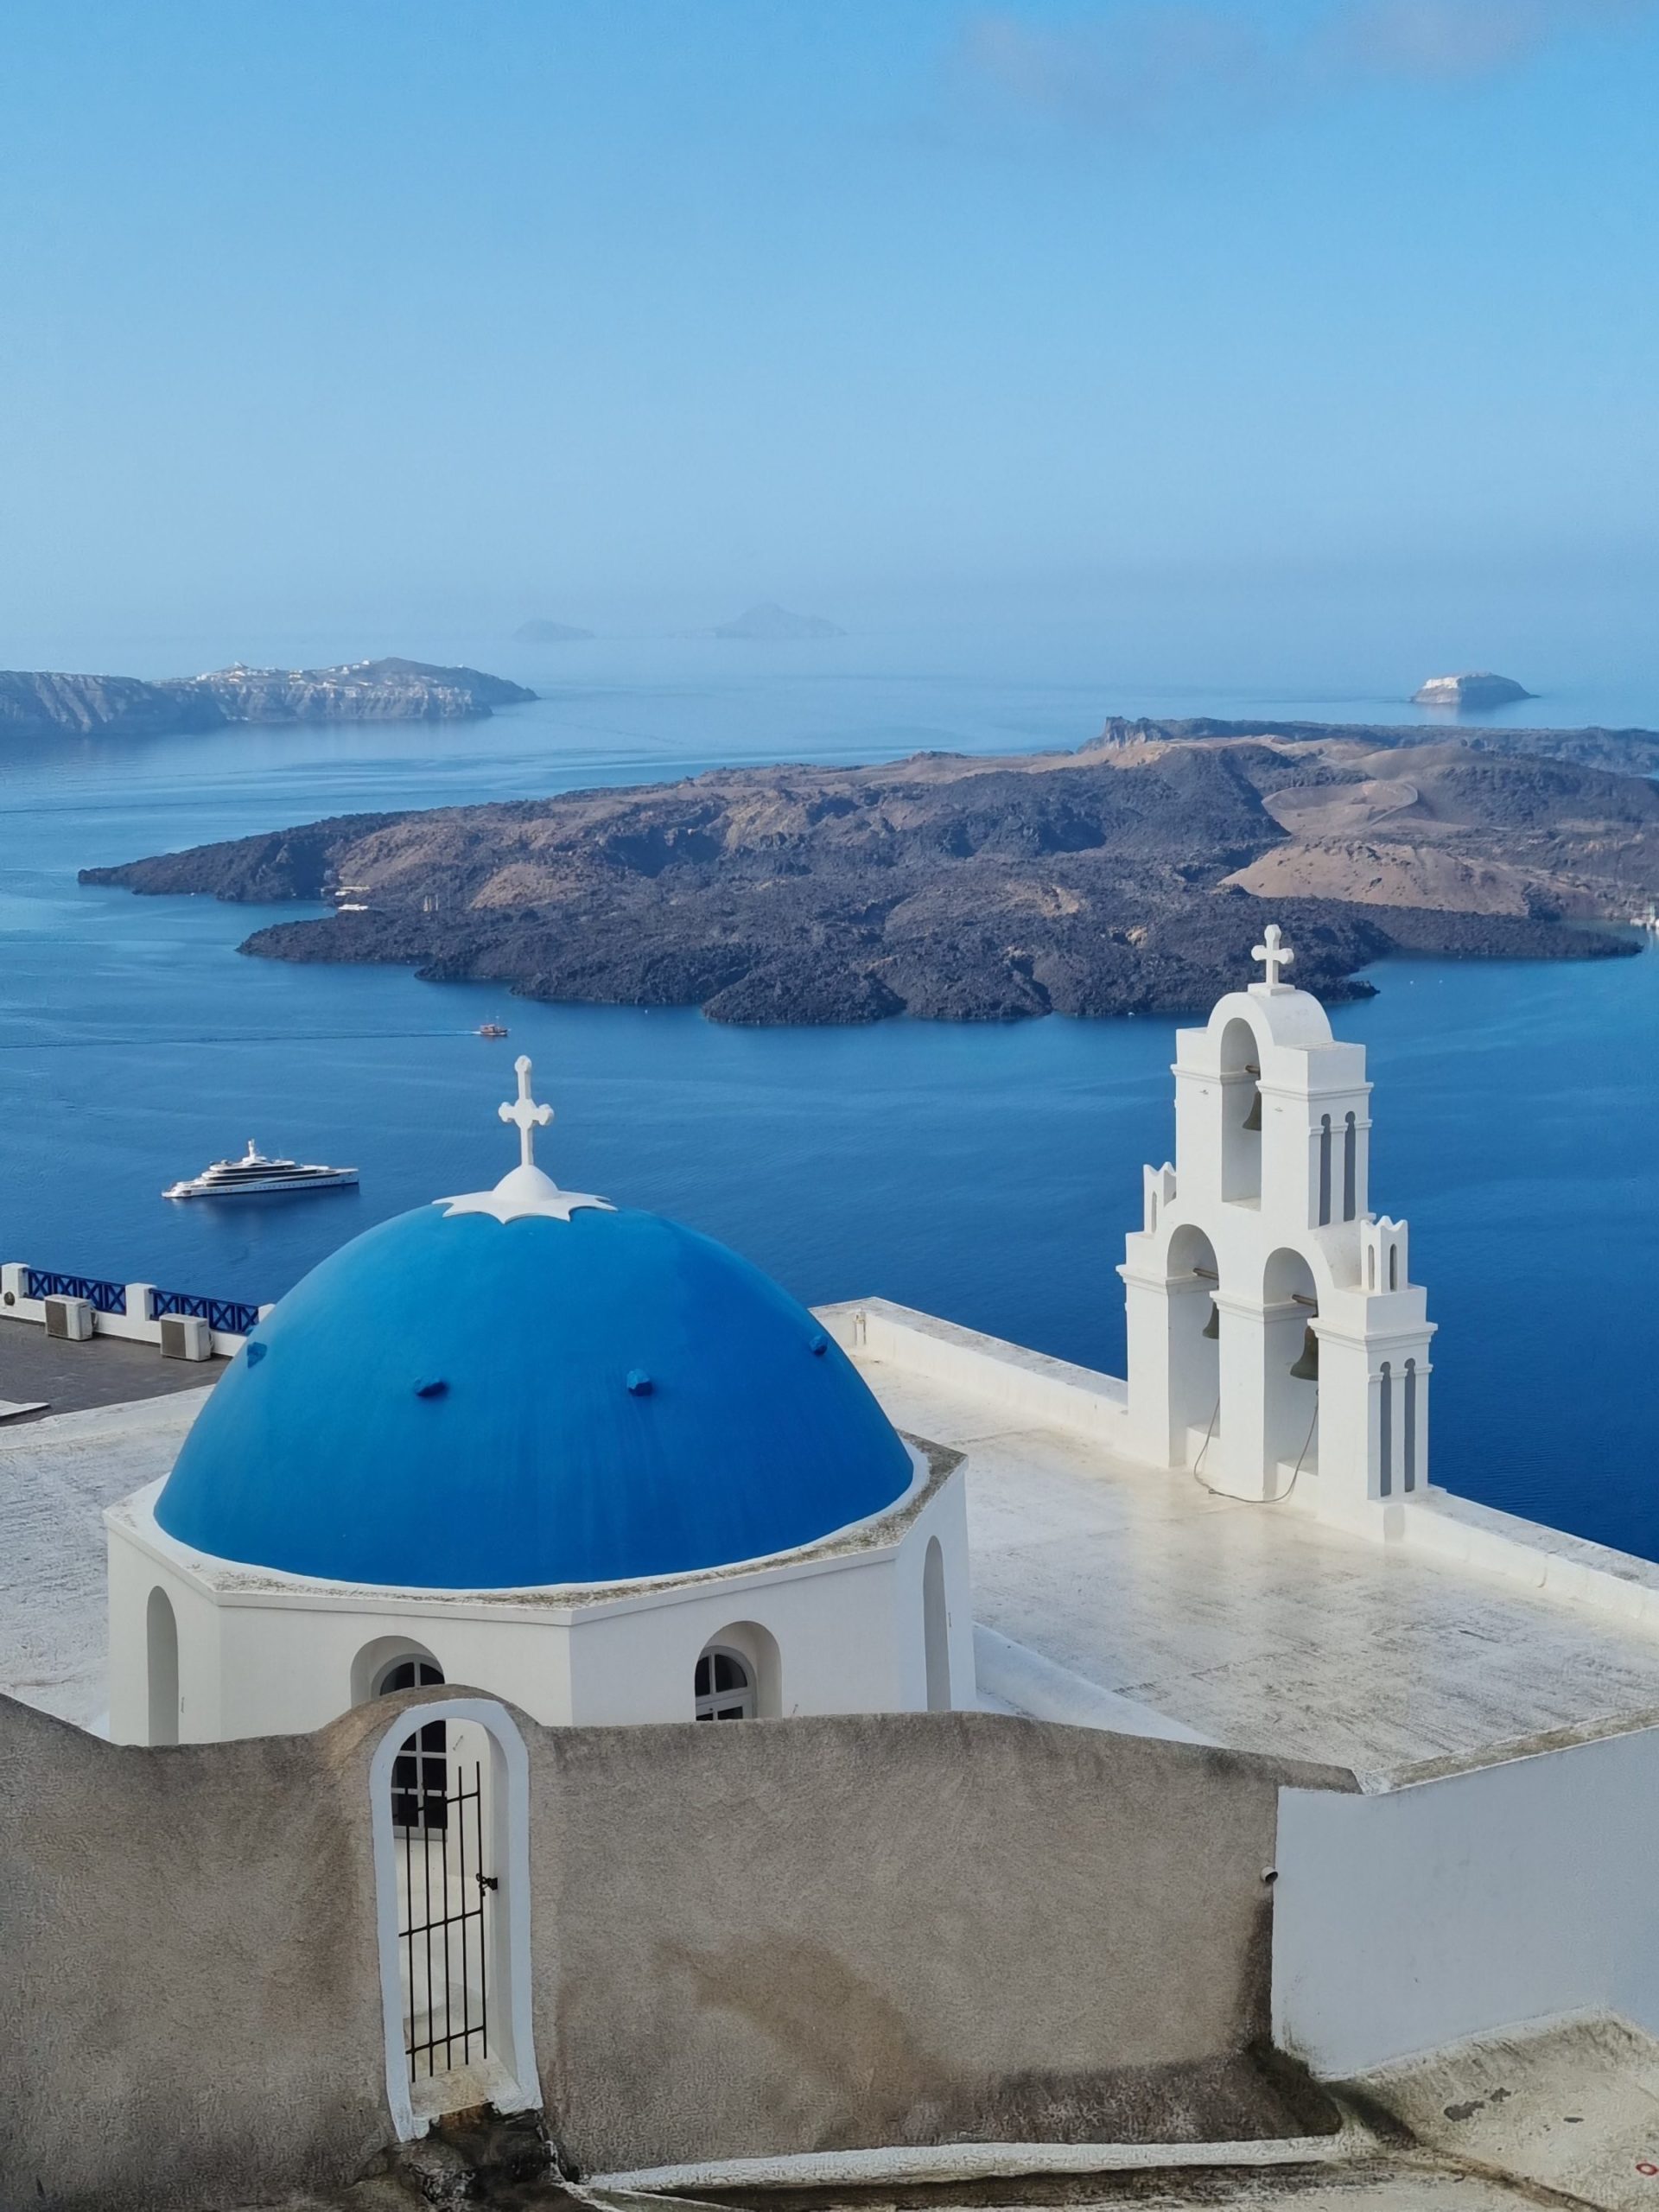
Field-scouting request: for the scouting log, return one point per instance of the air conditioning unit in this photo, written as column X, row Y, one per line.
column 186, row 1336
column 71, row 1318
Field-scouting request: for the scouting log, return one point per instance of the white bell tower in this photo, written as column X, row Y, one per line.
column 1275, row 1340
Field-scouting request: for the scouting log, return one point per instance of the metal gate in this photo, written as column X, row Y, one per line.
column 445, row 1906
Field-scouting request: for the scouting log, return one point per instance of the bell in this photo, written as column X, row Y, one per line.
column 1306, row 1368
column 1253, row 1119
column 1212, row 1326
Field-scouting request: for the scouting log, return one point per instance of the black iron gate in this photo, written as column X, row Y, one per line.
column 443, row 1931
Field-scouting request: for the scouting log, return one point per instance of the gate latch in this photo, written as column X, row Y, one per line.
column 485, row 1882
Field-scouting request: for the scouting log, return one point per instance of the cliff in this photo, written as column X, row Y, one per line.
column 1134, row 879
column 368, row 690
column 34, row 705
column 361, row 691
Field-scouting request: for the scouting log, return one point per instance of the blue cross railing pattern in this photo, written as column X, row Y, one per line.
column 231, row 1316
column 103, row 1297
column 228, row 1315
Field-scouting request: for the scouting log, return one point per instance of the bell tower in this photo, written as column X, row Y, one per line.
column 1275, row 1340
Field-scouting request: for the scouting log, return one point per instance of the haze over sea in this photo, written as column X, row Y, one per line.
column 985, row 1173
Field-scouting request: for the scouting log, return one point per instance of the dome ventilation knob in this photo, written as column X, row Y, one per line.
column 818, row 1345
column 639, row 1383
column 437, row 1388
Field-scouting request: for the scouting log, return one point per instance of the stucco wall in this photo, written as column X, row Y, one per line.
column 905, row 1928
column 1468, row 1903
column 191, row 2012
column 768, row 1937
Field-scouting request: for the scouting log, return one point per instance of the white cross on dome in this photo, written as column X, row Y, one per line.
column 526, row 1189
column 525, row 1112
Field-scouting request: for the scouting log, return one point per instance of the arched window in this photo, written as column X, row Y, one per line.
column 1241, row 1113
column 420, row 1773
column 724, row 1686
column 1385, row 1478
column 936, row 1629
column 1393, row 1266
column 1410, row 1478
column 1350, row 1168
column 1370, row 1268
column 162, row 1667
column 1325, row 1169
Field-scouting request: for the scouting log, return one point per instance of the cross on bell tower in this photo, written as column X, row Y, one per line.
column 525, row 1112
column 1275, row 954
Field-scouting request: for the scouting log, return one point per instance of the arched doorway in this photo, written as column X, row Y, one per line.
column 454, row 1906
column 1290, row 1395
column 162, row 1668
column 1194, row 1351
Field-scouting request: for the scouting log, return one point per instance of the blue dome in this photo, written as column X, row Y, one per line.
column 455, row 1402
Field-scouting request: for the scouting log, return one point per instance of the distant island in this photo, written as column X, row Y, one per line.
column 1479, row 688
column 44, row 704
column 1131, row 876
column 550, row 634
column 1629, row 752
column 769, row 623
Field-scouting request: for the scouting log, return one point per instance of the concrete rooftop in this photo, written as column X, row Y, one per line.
column 1256, row 1625
column 56, row 1476
column 67, row 1378
column 1252, row 1625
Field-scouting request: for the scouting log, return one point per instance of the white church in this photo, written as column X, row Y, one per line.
column 1105, row 1730
column 593, row 1461
column 575, row 1454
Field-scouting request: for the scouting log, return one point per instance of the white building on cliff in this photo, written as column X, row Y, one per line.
column 1110, row 1729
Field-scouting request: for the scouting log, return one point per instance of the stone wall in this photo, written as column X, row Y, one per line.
column 778, row 1936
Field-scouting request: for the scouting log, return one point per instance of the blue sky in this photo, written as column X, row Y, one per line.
column 630, row 312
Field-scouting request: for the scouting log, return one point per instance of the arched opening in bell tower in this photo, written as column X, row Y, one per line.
column 1194, row 1346
column 1241, row 1115
column 1290, row 1348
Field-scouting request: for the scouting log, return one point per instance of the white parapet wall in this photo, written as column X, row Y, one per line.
column 1468, row 1903
column 1030, row 1388
column 134, row 1319
column 1027, row 1385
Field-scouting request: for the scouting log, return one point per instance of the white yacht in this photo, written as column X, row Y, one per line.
column 254, row 1176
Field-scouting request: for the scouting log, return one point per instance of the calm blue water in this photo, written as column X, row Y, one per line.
column 985, row 1173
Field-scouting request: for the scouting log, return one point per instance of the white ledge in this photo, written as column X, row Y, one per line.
column 955, row 2162
column 1028, row 1386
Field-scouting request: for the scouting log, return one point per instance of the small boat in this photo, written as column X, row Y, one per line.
column 491, row 1029
column 254, row 1176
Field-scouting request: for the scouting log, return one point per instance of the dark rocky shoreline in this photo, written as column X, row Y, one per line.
column 1127, row 878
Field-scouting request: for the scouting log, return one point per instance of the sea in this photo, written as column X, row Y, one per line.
column 984, row 1173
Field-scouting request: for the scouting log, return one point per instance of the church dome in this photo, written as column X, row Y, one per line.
column 529, row 1388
